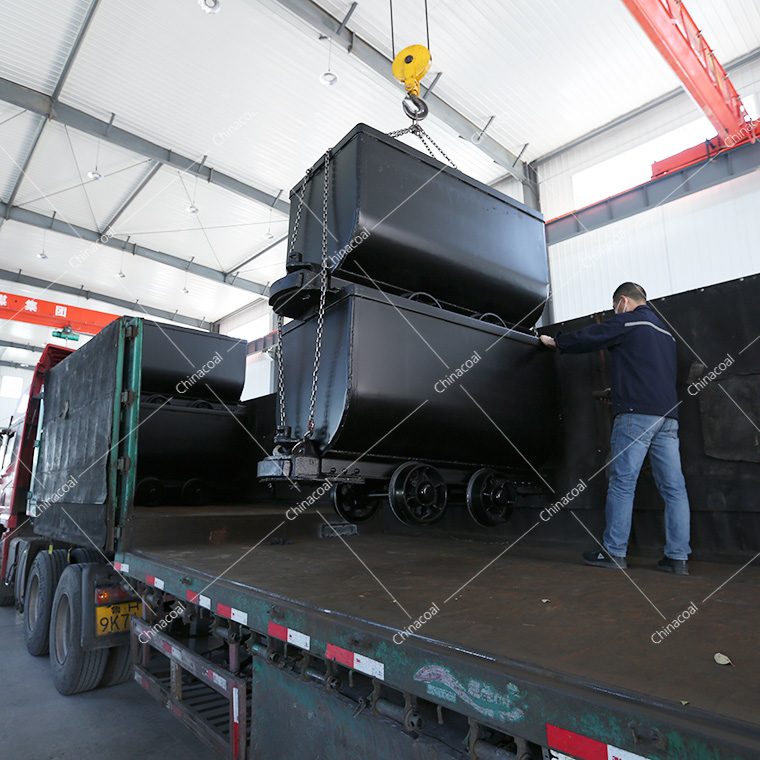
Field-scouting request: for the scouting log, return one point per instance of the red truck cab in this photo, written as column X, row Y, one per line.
column 17, row 449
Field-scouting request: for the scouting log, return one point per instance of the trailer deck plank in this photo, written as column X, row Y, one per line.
column 596, row 625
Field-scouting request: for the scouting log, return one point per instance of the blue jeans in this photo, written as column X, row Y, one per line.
column 632, row 436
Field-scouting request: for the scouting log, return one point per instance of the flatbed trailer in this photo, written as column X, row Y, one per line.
column 524, row 648
column 278, row 630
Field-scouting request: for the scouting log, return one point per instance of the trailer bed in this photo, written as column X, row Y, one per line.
column 563, row 644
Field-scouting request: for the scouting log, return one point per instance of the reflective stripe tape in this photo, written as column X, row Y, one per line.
column 198, row 599
column 122, row 567
column 238, row 616
column 355, row 661
column 649, row 324
column 584, row 748
column 151, row 580
column 220, row 681
column 288, row 634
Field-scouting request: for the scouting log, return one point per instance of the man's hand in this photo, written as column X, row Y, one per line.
column 547, row 341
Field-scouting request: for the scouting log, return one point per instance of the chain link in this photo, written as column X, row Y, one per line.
column 280, row 354
column 280, row 374
column 416, row 129
column 322, row 301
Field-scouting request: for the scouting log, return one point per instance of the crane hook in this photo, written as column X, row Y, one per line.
column 409, row 67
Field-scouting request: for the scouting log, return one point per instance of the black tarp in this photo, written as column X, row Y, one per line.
column 719, row 432
column 71, row 480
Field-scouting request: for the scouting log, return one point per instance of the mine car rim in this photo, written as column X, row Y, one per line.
column 353, row 503
column 417, row 494
column 490, row 498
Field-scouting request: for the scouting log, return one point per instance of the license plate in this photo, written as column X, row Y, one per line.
column 114, row 618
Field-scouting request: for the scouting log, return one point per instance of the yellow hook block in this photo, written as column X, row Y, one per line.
column 410, row 66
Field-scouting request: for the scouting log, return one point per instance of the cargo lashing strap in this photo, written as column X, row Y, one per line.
column 323, row 274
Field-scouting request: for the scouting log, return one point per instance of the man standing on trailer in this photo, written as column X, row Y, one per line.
column 645, row 406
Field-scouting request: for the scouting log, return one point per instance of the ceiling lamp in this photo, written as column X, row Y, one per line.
column 185, row 290
column 329, row 77
column 210, row 6
column 121, row 274
column 95, row 175
column 192, row 209
column 42, row 255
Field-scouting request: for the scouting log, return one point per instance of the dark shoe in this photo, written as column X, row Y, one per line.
column 600, row 558
column 675, row 566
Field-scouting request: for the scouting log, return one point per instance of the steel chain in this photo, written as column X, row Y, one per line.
column 280, row 354
column 418, row 131
column 322, row 301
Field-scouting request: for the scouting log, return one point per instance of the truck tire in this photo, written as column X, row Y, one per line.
column 74, row 668
column 40, row 588
column 118, row 666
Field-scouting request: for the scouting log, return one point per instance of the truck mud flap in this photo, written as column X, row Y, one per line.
column 208, row 699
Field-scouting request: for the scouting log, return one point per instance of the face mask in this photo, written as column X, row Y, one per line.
column 620, row 303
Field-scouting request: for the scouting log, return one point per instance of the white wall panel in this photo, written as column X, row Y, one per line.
column 700, row 240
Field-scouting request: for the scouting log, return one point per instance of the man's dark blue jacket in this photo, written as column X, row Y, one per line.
column 642, row 360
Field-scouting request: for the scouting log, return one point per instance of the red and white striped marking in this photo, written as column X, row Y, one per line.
column 238, row 616
column 151, row 580
column 220, row 681
column 199, row 599
column 289, row 635
column 356, row 661
column 122, row 567
column 235, row 721
column 583, row 748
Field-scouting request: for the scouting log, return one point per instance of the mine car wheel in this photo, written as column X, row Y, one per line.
column 195, row 493
column 490, row 498
column 150, row 492
column 417, row 494
column 353, row 502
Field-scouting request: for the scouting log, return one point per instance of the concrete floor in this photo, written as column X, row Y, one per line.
column 37, row 723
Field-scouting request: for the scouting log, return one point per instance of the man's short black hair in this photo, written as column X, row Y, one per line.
column 630, row 290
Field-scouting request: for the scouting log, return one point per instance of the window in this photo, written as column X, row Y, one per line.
column 256, row 328
column 634, row 167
